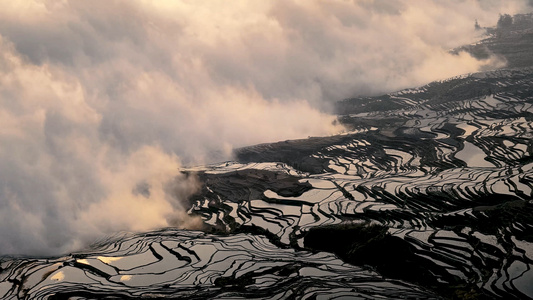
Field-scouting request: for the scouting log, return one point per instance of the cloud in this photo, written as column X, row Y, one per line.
column 101, row 102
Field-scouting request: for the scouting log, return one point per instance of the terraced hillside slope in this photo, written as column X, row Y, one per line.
column 437, row 192
column 428, row 196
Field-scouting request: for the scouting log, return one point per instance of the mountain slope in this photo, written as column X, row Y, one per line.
column 448, row 178
column 430, row 195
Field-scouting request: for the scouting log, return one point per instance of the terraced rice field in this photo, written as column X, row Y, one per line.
column 430, row 199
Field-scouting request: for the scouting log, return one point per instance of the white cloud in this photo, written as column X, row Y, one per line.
column 101, row 101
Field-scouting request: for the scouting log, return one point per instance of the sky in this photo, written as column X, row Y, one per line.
column 102, row 102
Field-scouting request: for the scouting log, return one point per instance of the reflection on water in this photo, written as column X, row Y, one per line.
column 473, row 156
column 201, row 266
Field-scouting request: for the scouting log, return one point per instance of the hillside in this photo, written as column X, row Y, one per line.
column 429, row 195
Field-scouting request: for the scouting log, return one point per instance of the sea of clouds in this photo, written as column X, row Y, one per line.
column 102, row 102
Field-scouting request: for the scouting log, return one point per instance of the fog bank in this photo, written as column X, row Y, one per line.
column 101, row 102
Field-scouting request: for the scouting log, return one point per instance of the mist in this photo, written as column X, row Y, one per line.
column 102, row 102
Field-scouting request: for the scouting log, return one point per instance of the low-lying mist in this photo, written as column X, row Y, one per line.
column 101, row 102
